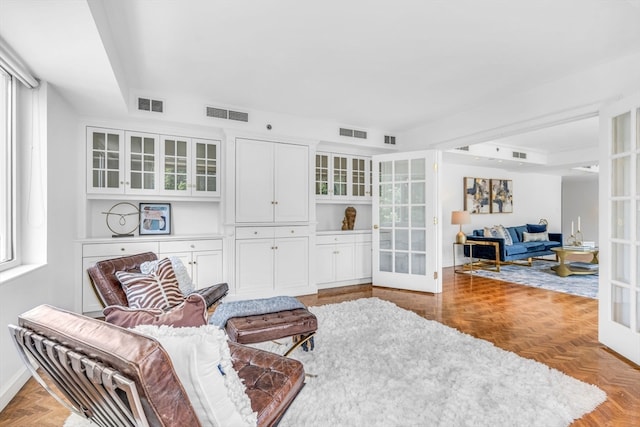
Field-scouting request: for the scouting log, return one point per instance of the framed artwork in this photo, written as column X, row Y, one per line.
column 155, row 218
column 501, row 196
column 476, row 195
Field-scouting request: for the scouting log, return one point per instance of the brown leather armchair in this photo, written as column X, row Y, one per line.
column 108, row 288
column 115, row 376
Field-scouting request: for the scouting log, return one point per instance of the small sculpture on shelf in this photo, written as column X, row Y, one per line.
column 349, row 220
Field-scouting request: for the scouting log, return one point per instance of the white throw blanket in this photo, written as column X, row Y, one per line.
column 228, row 310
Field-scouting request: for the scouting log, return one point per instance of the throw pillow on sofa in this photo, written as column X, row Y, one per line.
column 535, row 237
column 536, row 228
column 498, row 231
column 191, row 312
column 156, row 290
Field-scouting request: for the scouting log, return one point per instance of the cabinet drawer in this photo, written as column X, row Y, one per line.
column 335, row 238
column 118, row 249
column 294, row 231
column 255, row 233
column 190, row 245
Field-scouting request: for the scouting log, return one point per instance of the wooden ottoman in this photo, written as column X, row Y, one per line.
column 299, row 323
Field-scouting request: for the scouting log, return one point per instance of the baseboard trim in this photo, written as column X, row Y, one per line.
column 13, row 387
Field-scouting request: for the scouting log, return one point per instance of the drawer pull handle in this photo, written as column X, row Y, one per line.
column 192, row 246
column 122, row 249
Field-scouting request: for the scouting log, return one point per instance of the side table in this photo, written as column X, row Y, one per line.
column 463, row 267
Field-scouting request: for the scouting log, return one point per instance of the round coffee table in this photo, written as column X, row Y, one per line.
column 564, row 270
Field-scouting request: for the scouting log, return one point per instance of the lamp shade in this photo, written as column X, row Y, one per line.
column 460, row 217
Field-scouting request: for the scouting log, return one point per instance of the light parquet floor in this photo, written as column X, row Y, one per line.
column 555, row 329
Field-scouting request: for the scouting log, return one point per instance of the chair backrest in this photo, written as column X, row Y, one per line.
column 104, row 280
column 109, row 374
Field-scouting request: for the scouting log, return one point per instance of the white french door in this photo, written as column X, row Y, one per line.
column 406, row 237
column 619, row 286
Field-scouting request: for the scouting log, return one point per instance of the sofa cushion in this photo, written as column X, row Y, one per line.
column 191, row 312
column 533, row 246
column 202, row 360
column 536, row 228
column 519, row 231
column 514, row 234
column 551, row 244
column 156, row 290
column 515, row 249
column 535, row 237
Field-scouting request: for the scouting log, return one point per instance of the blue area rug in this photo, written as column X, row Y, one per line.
column 540, row 275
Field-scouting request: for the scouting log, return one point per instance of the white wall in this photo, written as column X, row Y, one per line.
column 580, row 199
column 48, row 209
column 535, row 196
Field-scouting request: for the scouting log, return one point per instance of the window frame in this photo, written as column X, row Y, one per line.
column 8, row 159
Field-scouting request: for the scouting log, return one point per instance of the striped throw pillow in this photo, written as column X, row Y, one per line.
column 156, row 290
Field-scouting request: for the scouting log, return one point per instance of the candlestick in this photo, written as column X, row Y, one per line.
column 579, row 228
column 572, row 228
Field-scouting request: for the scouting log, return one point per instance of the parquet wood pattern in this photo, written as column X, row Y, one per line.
column 555, row 329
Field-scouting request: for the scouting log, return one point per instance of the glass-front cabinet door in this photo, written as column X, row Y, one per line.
column 343, row 177
column 142, row 160
column 105, row 160
column 205, row 168
column 322, row 175
column 175, row 165
column 619, row 293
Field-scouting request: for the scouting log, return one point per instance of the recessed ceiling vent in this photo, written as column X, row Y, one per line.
column 519, row 155
column 152, row 105
column 220, row 113
column 353, row 133
column 388, row 139
column 465, row 148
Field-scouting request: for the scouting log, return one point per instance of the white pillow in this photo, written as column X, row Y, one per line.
column 184, row 280
column 200, row 356
column 535, row 237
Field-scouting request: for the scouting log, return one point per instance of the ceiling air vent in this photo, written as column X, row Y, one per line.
column 519, row 155
column 152, row 105
column 390, row 139
column 221, row 113
column 353, row 133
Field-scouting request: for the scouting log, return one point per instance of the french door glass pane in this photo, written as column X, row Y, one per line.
column 418, row 216
column 620, row 258
column 386, row 263
column 401, row 240
column 417, row 192
column 385, row 239
column 621, row 222
column 621, row 176
column 620, row 305
column 418, row 170
column 418, row 264
column 402, row 262
column 621, row 138
column 386, row 171
column 418, row 240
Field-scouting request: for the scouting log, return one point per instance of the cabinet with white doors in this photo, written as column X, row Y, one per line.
column 343, row 259
column 124, row 162
column 271, row 261
column 204, row 253
column 342, row 177
column 272, row 182
column 202, row 258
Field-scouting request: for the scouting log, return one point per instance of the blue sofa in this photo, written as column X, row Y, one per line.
column 526, row 244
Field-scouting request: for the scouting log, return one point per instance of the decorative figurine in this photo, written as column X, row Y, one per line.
column 349, row 218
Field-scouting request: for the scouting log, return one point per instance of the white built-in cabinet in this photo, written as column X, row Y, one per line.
column 343, row 259
column 271, row 260
column 201, row 255
column 342, row 177
column 123, row 162
column 272, row 182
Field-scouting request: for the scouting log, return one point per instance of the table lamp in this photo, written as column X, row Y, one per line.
column 460, row 217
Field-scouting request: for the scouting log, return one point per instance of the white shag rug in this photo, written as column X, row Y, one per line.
column 375, row 364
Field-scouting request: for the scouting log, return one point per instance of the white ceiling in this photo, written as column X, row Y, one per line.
column 367, row 64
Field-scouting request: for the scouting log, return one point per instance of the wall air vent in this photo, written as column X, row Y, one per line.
column 465, row 148
column 519, row 155
column 388, row 139
column 221, row 113
column 239, row 116
column 353, row 133
column 152, row 105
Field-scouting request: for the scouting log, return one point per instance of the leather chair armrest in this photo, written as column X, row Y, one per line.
column 214, row 293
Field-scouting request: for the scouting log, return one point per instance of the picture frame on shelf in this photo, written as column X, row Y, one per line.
column 501, row 196
column 476, row 195
column 155, row 218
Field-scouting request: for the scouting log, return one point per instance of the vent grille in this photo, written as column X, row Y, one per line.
column 388, row 139
column 152, row 105
column 221, row 113
column 353, row 133
column 519, row 155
